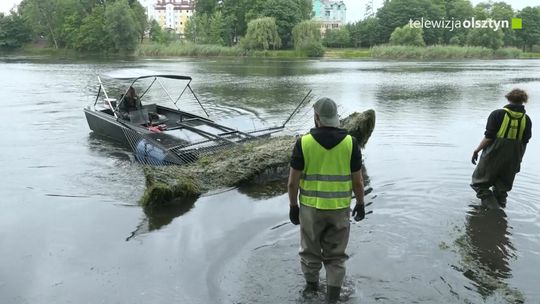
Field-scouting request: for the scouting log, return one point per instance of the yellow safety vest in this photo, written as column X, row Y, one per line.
column 513, row 125
column 326, row 180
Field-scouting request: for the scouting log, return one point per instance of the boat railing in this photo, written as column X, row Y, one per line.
column 107, row 99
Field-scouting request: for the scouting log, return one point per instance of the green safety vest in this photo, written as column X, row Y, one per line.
column 326, row 181
column 513, row 125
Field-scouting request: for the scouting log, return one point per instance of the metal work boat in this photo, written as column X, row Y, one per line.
column 160, row 134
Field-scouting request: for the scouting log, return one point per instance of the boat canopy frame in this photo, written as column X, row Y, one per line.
column 156, row 78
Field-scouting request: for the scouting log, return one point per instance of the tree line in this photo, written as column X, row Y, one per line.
column 117, row 26
column 101, row 26
column 257, row 21
column 390, row 24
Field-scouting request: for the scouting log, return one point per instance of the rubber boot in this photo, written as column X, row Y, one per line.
column 502, row 202
column 332, row 294
column 501, row 199
column 311, row 289
column 490, row 202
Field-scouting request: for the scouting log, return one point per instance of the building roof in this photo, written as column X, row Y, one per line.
column 178, row 4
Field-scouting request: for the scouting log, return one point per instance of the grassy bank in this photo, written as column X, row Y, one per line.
column 443, row 52
column 347, row 53
column 183, row 49
column 435, row 52
column 33, row 50
column 179, row 49
column 530, row 55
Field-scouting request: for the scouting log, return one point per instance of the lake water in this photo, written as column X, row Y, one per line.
column 72, row 231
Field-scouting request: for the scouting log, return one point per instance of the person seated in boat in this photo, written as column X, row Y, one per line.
column 129, row 102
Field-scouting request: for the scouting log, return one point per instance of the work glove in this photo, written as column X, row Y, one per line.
column 294, row 214
column 359, row 212
column 474, row 157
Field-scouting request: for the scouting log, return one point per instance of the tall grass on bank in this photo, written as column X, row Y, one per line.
column 530, row 55
column 186, row 49
column 347, row 53
column 442, row 52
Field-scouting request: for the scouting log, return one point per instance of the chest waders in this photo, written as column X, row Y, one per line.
column 501, row 160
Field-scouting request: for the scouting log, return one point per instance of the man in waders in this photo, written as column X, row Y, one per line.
column 508, row 131
column 326, row 168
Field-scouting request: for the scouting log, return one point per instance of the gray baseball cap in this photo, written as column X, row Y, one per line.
column 327, row 110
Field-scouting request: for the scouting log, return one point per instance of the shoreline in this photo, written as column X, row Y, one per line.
column 384, row 52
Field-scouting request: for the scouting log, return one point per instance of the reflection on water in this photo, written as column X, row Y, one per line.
column 158, row 216
column 486, row 251
column 108, row 148
column 263, row 191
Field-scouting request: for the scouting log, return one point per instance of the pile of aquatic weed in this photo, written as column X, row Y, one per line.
column 360, row 125
column 256, row 161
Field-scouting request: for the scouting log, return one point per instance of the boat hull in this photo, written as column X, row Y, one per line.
column 105, row 125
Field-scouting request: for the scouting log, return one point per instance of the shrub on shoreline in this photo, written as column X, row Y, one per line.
column 442, row 52
column 188, row 49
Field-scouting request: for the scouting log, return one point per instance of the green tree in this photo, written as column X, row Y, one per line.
column 407, row 35
column 47, row 17
column 457, row 10
column 139, row 13
column 206, row 7
column 306, row 32
column 13, row 32
column 262, row 34
column 166, row 37
column 482, row 10
column 497, row 11
column 307, row 38
column 485, row 37
column 92, row 36
column 337, row 38
column 155, row 30
column 313, row 49
column 121, row 26
column 70, row 30
column 396, row 13
column 198, row 29
column 236, row 15
column 306, row 9
column 216, row 28
column 287, row 14
column 365, row 33
column 89, row 5
column 503, row 11
column 354, row 31
column 530, row 34
column 190, row 31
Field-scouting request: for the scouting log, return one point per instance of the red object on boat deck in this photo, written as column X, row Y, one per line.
column 154, row 129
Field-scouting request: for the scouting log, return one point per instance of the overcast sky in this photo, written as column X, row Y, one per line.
column 355, row 8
